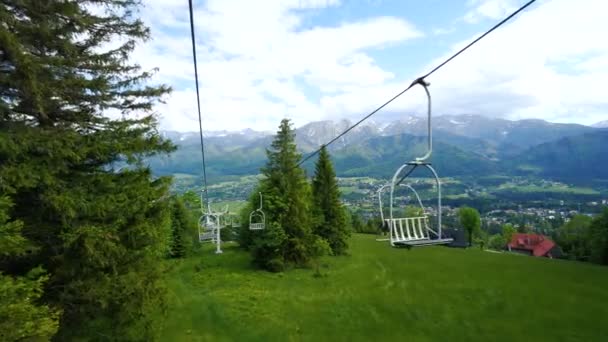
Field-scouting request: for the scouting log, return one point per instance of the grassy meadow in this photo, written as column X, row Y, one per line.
column 383, row 293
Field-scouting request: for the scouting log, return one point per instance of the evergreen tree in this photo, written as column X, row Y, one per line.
column 246, row 236
column 330, row 217
column 599, row 238
column 357, row 223
column 288, row 238
column 184, row 232
column 21, row 317
column 575, row 238
column 98, row 232
column 269, row 248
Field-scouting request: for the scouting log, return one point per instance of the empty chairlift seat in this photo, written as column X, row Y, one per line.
column 208, row 225
column 413, row 231
column 257, row 218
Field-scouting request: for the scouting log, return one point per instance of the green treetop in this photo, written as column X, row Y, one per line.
column 288, row 237
column 470, row 221
column 73, row 171
column 331, row 223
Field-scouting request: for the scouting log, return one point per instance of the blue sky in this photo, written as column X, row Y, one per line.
column 261, row 61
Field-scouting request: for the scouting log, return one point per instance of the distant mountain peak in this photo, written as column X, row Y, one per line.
column 492, row 134
column 601, row 124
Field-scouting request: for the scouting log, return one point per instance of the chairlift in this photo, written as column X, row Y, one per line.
column 381, row 207
column 210, row 224
column 257, row 218
column 416, row 231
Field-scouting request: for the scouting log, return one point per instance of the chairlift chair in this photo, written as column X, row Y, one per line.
column 208, row 224
column 257, row 218
column 385, row 222
column 416, row 231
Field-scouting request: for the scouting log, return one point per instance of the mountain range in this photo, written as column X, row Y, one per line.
column 601, row 124
column 464, row 145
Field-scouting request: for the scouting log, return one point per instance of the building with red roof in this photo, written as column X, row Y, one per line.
column 533, row 244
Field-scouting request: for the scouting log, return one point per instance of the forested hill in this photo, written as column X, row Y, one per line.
column 380, row 156
column 578, row 152
column 582, row 156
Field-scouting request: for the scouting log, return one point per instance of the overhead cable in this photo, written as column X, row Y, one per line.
column 198, row 103
column 418, row 80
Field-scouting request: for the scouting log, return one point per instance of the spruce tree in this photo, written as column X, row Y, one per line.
column 183, row 230
column 21, row 315
column 288, row 238
column 599, row 238
column 330, row 216
column 98, row 231
column 246, row 236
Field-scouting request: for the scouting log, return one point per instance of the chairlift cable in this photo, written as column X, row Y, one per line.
column 419, row 80
column 198, row 103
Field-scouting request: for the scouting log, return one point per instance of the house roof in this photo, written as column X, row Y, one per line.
column 538, row 244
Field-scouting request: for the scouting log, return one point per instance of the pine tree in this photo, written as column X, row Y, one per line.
column 357, row 223
column 330, row 216
column 246, row 236
column 98, row 231
column 21, row 318
column 599, row 238
column 183, row 230
column 288, row 239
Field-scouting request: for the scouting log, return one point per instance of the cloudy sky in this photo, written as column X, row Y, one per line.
column 307, row 60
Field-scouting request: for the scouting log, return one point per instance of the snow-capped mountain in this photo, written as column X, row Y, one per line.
column 194, row 137
column 601, row 124
column 465, row 144
column 480, row 134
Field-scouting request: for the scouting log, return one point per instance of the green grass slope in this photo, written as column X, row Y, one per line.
column 382, row 293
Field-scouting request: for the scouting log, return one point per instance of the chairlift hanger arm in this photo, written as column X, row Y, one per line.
column 426, row 85
column 261, row 201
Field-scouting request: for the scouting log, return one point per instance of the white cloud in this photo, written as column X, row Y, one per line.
column 253, row 57
column 548, row 63
column 490, row 9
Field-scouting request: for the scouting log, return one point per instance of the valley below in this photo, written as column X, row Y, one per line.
column 488, row 163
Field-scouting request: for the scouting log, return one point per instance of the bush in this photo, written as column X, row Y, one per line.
column 497, row 242
column 268, row 246
column 184, row 231
column 320, row 248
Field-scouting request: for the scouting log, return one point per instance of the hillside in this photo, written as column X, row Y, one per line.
column 582, row 156
column 507, row 136
column 380, row 157
column 377, row 156
column 380, row 293
column 601, row 124
column 465, row 145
